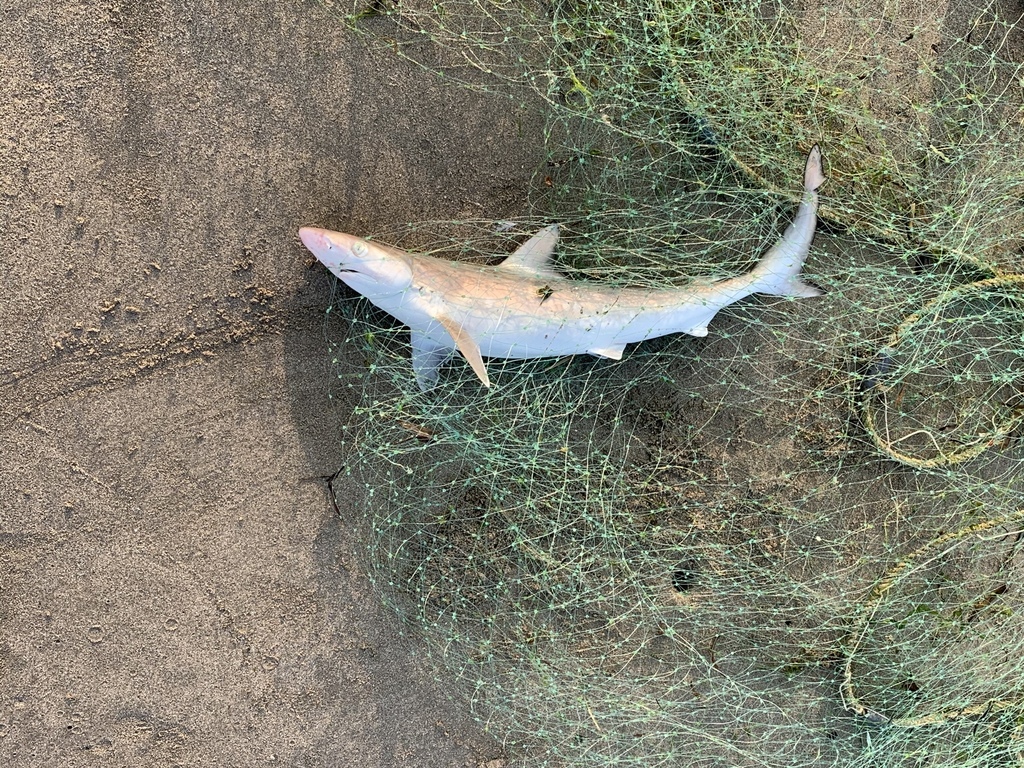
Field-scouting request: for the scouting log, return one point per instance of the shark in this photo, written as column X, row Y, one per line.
column 524, row 307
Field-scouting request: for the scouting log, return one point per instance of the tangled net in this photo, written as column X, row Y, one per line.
column 798, row 541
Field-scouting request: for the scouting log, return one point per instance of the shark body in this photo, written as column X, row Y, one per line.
column 524, row 308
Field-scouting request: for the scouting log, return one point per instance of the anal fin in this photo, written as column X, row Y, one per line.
column 467, row 346
column 613, row 351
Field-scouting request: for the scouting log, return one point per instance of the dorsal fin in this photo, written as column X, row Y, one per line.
column 467, row 346
column 534, row 256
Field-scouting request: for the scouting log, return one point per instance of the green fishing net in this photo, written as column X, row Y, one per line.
column 798, row 541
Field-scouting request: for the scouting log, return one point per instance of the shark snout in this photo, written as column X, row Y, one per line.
column 313, row 238
column 351, row 259
column 323, row 244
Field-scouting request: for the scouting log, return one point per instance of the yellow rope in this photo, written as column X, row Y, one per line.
column 985, row 441
column 850, row 698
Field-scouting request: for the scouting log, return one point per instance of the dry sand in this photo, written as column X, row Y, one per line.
column 176, row 586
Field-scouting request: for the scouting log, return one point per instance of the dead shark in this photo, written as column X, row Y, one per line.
column 524, row 308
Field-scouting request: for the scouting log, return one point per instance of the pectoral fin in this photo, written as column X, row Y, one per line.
column 427, row 357
column 467, row 346
column 614, row 351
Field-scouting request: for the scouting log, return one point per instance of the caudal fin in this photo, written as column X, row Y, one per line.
column 813, row 176
column 794, row 288
column 778, row 273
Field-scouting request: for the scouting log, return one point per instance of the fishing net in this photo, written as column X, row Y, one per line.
column 797, row 541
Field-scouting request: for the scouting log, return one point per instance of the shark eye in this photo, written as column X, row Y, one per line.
column 359, row 248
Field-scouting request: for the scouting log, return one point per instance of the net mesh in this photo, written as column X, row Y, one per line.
column 798, row 541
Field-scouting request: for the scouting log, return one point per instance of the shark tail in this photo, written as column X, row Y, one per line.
column 790, row 287
column 813, row 176
column 778, row 272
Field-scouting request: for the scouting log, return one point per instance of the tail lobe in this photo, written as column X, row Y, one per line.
column 813, row 176
column 778, row 272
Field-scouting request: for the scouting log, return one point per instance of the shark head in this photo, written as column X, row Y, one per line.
column 373, row 270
